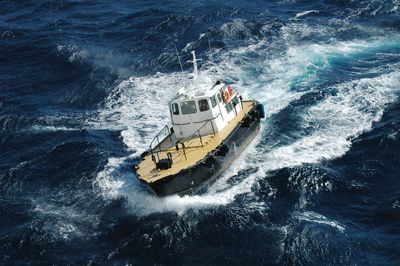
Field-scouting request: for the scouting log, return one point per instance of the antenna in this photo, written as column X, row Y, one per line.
column 195, row 68
column 209, row 47
column 195, row 73
column 179, row 58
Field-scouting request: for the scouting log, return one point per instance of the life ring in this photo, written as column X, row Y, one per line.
column 225, row 96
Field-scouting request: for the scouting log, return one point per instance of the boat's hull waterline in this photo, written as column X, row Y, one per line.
column 215, row 163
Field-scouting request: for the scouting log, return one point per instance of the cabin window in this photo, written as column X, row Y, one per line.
column 213, row 101
column 203, row 105
column 228, row 107
column 188, row 107
column 235, row 101
column 219, row 97
column 175, row 109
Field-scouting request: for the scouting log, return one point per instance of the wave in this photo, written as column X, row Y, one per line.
column 96, row 58
column 314, row 217
column 136, row 107
column 338, row 119
column 37, row 128
column 305, row 13
column 62, row 223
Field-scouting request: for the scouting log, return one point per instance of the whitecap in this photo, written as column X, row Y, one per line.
column 305, row 13
column 138, row 104
column 314, row 217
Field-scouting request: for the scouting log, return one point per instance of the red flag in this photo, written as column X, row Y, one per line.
column 230, row 90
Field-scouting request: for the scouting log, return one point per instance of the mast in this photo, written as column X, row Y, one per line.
column 195, row 68
column 195, row 71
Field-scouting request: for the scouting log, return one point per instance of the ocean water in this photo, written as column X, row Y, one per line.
column 84, row 87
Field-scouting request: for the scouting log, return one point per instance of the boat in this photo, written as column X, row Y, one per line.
column 211, row 126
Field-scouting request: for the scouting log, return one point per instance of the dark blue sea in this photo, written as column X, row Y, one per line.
column 84, row 87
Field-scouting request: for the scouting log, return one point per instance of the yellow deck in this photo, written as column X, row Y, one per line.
column 147, row 170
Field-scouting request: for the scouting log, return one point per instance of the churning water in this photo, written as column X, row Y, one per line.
column 85, row 86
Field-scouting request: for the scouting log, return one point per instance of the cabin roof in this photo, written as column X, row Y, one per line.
column 197, row 91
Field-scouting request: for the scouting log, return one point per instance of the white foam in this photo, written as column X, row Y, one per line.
column 305, row 13
column 53, row 128
column 138, row 108
column 142, row 203
column 62, row 222
column 337, row 119
column 105, row 58
column 236, row 28
column 109, row 179
column 314, row 217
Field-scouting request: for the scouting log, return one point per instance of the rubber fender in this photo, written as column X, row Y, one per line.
column 135, row 167
column 144, row 154
column 246, row 121
column 223, row 150
column 261, row 110
column 252, row 116
column 209, row 162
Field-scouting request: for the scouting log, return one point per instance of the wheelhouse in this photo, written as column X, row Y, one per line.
column 210, row 109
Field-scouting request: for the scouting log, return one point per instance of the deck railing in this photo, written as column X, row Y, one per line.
column 196, row 133
column 156, row 146
column 163, row 134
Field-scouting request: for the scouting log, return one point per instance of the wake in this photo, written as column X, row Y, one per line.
column 137, row 106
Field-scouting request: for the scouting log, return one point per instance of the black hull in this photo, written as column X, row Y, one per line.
column 203, row 173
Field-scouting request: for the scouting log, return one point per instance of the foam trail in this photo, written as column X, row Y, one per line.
column 142, row 203
column 115, row 184
column 348, row 113
column 137, row 106
column 52, row 128
column 314, row 217
column 275, row 81
column 305, row 13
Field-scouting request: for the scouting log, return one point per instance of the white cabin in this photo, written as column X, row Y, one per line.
column 191, row 110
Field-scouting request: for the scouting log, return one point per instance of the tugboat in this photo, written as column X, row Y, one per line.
column 211, row 126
